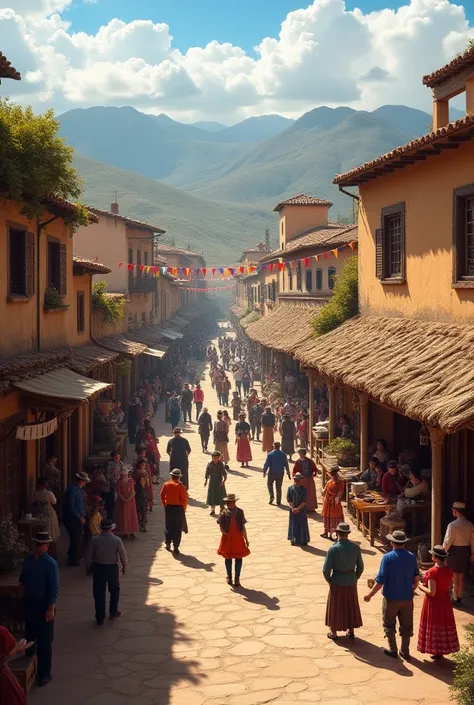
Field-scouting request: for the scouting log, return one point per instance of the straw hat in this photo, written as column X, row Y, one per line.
column 397, row 537
column 107, row 524
column 176, row 473
column 439, row 551
column 230, row 498
column 459, row 505
column 83, row 476
column 334, row 469
column 42, row 537
column 343, row 528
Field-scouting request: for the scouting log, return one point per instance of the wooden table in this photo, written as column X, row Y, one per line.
column 346, row 475
column 362, row 507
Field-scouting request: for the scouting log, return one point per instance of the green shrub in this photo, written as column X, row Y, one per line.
column 111, row 308
column 462, row 689
column 344, row 303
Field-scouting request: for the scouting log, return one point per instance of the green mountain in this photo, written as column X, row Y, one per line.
column 219, row 230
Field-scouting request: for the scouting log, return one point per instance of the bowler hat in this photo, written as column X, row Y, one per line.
column 439, row 551
column 303, row 451
column 216, row 452
column 343, row 528
column 42, row 537
column 397, row 537
column 176, row 472
column 297, row 476
column 83, row 476
column 107, row 524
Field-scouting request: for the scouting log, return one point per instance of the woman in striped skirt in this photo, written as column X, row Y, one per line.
column 332, row 508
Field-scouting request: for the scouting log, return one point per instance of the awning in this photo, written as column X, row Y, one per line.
column 286, row 328
column 86, row 357
column 153, row 352
column 169, row 333
column 62, row 384
column 121, row 344
column 422, row 369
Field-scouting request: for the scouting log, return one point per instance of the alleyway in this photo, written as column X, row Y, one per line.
column 186, row 638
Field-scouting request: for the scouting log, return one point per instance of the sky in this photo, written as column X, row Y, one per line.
column 226, row 59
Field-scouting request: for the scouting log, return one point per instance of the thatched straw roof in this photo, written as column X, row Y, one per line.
column 286, row 328
column 249, row 318
column 422, row 369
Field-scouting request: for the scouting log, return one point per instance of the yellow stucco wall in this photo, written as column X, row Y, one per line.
column 427, row 190
column 105, row 241
column 295, row 220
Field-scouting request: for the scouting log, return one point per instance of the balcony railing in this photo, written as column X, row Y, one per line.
column 142, row 285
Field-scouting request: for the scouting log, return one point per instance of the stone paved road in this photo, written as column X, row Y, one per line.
column 186, row 638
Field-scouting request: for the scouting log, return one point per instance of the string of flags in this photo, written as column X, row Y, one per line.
column 222, row 272
column 208, row 289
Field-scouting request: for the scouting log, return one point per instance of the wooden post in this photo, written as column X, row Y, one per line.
column 364, row 430
column 262, row 365
column 437, row 439
column 440, row 114
column 470, row 96
column 80, row 437
column 310, row 374
column 332, row 410
column 65, row 452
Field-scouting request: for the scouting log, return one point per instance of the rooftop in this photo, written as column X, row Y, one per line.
column 302, row 200
column 7, row 70
column 286, row 328
column 128, row 221
column 432, row 144
column 331, row 235
column 64, row 208
column 171, row 249
column 89, row 265
column 452, row 68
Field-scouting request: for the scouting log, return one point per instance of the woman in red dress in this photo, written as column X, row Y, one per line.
column 242, row 433
column 307, row 468
column 332, row 508
column 125, row 515
column 11, row 692
column 234, row 543
column 437, row 635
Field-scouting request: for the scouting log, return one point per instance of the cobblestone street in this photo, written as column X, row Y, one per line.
column 186, row 638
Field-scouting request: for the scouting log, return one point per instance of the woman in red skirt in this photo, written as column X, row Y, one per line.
column 234, row 544
column 332, row 508
column 11, row 692
column 437, row 635
column 242, row 433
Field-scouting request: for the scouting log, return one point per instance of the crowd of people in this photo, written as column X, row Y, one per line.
column 98, row 512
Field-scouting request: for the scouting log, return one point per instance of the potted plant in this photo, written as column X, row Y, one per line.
column 344, row 449
column 12, row 547
column 462, row 689
column 53, row 300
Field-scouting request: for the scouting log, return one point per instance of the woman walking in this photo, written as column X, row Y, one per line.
column 126, row 518
column 332, row 508
column 45, row 501
column 298, row 530
column 268, row 425
column 288, row 436
column 204, row 428
column 437, row 634
column 142, row 481
column 307, row 468
column 216, row 475
column 234, row 544
column 242, row 433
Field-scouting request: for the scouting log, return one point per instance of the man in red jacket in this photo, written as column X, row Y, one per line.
column 198, row 400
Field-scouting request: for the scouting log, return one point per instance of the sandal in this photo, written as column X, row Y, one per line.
column 350, row 634
column 332, row 636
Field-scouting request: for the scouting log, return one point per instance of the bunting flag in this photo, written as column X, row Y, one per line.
column 223, row 272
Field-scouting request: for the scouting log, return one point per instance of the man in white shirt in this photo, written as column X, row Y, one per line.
column 459, row 543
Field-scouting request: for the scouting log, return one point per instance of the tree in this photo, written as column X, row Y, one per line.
column 344, row 303
column 462, row 689
column 35, row 162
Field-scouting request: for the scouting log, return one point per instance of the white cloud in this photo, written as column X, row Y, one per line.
column 324, row 54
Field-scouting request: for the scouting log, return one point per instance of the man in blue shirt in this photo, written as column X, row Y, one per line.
column 398, row 577
column 40, row 580
column 276, row 464
column 74, row 516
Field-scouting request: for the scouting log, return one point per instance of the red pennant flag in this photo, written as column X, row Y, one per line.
column 281, row 266
column 169, row 270
column 325, row 255
column 130, row 267
column 270, row 266
column 141, row 267
column 241, row 270
column 306, row 262
column 120, row 264
column 204, row 270
column 214, row 270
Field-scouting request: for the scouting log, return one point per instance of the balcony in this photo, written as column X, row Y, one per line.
column 142, row 285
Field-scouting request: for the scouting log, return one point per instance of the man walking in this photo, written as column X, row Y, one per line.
column 106, row 557
column 74, row 516
column 178, row 449
column 174, row 499
column 221, row 438
column 275, row 465
column 40, row 580
column 398, row 576
column 198, row 400
column 342, row 569
column 226, row 387
column 186, row 402
column 255, row 412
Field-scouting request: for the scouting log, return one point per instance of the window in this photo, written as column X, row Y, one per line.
column 290, row 278
column 81, row 324
column 139, row 262
column 309, row 280
column 299, row 277
column 331, row 277
column 145, row 259
column 319, row 279
column 21, row 263
column 273, row 291
column 57, row 265
column 130, row 261
column 390, row 244
column 463, row 236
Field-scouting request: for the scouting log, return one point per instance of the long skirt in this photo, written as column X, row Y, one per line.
column 298, row 530
column 311, row 500
column 437, row 633
column 244, row 453
column 232, row 544
column 332, row 515
column 126, row 517
column 288, row 445
column 174, row 417
column 343, row 611
column 215, row 493
column 223, row 449
column 459, row 559
column 267, row 439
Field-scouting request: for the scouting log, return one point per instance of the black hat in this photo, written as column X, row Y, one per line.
column 439, row 551
column 42, row 537
column 107, row 524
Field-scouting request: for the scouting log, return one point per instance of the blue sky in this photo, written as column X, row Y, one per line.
column 241, row 22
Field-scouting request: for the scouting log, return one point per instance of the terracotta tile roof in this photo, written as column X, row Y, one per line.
column 61, row 206
column 90, row 265
column 327, row 236
column 444, row 138
column 13, row 369
column 171, row 249
column 128, row 221
column 121, row 344
column 85, row 357
column 302, row 200
column 7, row 70
column 458, row 64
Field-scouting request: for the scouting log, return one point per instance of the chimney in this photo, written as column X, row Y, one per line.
column 267, row 240
column 114, row 208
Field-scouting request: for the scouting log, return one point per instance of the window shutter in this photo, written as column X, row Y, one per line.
column 403, row 256
column 30, row 264
column 379, row 253
column 62, row 270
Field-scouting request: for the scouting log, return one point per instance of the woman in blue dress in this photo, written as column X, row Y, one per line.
column 298, row 531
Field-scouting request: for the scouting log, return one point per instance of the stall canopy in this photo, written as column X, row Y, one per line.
column 153, row 352
column 62, row 384
column 170, row 333
column 121, row 344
